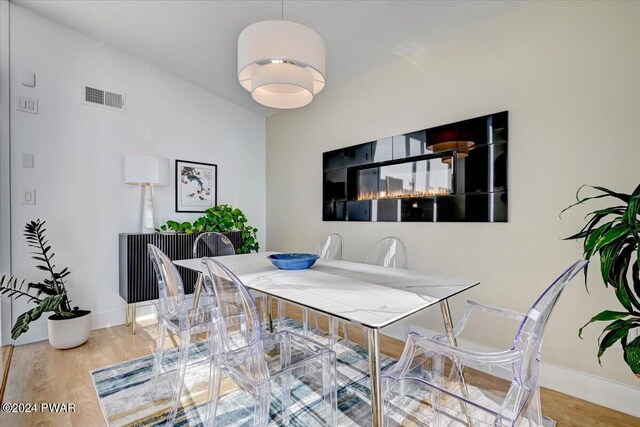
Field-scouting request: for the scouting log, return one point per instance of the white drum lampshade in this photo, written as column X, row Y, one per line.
column 282, row 63
column 146, row 171
column 141, row 170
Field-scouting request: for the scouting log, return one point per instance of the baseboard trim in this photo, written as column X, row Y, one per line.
column 611, row 394
column 607, row 393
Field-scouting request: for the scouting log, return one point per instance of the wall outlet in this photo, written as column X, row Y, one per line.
column 29, row 197
column 28, row 105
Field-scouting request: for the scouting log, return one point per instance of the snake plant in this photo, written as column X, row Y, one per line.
column 613, row 234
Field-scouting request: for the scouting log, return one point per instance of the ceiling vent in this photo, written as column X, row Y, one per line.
column 103, row 98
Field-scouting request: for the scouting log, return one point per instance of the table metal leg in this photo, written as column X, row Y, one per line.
column 196, row 290
column 126, row 315
column 448, row 326
column 377, row 415
column 448, row 323
column 269, row 315
column 264, row 316
column 133, row 319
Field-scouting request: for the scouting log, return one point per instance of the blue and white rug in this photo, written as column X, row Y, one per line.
column 126, row 399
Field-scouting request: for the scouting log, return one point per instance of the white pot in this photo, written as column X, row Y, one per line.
column 69, row 333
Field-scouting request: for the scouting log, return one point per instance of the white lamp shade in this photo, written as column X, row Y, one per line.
column 299, row 52
column 140, row 169
column 282, row 86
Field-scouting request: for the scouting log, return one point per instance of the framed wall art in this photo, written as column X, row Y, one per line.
column 196, row 186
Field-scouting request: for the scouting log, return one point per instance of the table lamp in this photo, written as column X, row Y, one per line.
column 146, row 171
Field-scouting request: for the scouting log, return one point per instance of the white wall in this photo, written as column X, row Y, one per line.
column 78, row 174
column 568, row 74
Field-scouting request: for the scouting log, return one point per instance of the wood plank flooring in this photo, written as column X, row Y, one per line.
column 40, row 373
column 5, row 361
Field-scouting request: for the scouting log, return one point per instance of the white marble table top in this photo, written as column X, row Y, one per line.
column 365, row 294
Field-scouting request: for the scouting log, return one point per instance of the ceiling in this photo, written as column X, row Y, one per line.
column 196, row 40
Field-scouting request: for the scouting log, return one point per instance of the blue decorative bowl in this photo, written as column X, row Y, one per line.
column 292, row 261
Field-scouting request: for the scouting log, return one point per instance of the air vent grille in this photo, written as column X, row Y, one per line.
column 95, row 96
column 103, row 98
column 113, row 100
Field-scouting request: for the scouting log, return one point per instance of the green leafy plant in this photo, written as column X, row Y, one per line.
column 48, row 295
column 613, row 234
column 221, row 219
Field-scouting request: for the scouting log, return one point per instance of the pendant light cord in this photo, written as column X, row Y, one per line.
column 282, row 9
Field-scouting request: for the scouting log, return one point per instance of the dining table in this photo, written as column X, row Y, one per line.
column 371, row 296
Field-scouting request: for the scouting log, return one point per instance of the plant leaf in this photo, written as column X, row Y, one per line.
column 593, row 237
column 50, row 303
column 604, row 316
column 632, row 355
column 615, row 334
column 611, row 235
column 605, row 193
column 623, row 296
column 43, row 288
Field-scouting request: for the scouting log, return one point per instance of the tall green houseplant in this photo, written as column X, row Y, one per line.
column 613, row 233
column 49, row 295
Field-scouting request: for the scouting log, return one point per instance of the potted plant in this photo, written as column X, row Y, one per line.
column 221, row 219
column 613, row 233
column 68, row 327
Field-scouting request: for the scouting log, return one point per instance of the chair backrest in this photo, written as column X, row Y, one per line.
column 238, row 322
column 170, row 286
column 529, row 337
column 388, row 252
column 330, row 247
column 212, row 244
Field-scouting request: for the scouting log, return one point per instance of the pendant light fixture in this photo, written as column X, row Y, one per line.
column 459, row 140
column 281, row 63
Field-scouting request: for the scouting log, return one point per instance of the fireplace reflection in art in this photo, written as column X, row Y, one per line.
column 410, row 179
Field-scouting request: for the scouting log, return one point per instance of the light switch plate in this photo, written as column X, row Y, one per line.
column 27, row 160
column 28, row 79
column 28, row 105
column 29, row 197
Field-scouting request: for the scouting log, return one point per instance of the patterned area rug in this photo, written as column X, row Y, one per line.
column 126, row 399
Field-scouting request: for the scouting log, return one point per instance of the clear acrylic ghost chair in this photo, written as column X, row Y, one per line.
column 392, row 253
column 177, row 316
column 388, row 252
column 212, row 244
column 465, row 387
column 215, row 244
column 329, row 248
column 208, row 245
column 263, row 365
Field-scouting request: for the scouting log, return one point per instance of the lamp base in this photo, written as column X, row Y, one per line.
column 148, row 219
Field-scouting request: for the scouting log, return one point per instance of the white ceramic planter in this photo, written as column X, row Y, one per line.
column 69, row 333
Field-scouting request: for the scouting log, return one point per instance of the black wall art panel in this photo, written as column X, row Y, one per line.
column 455, row 172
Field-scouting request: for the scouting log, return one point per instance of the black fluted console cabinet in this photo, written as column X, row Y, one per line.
column 137, row 277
